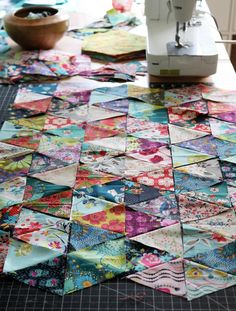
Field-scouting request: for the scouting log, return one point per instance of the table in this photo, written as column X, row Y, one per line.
column 225, row 76
column 119, row 294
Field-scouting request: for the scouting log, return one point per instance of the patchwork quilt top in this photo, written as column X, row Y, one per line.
column 121, row 180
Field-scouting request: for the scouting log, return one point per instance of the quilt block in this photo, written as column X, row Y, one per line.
column 119, row 180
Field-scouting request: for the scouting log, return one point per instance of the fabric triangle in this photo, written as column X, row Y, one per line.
column 223, row 258
column 200, row 240
column 161, row 179
column 138, row 107
column 101, row 97
column 112, row 219
column 223, row 130
column 137, row 167
column 8, row 151
column 223, row 224
column 69, row 92
column 214, row 107
column 78, row 114
column 87, row 177
column 167, row 277
column 137, row 91
column 226, row 116
column 36, row 189
column 180, row 134
column 195, row 89
column 217, row 194
column 21, row 113
column 120, row 105
column 229, row 172
column 64, row 176
column 39, row 68
column 200, row 123
column 183, row 156
column 231, row 159
column 28, row 255
column 138, row 222
column 141, row 257
column 10, row 130
column 225, row 149
column 160, row 156
column 194, row 209
column 94, row 155
column 12, row 192
column 153, row 134
column 30, row 142
column 219, row 95
column 187, row 182
column 35, row 123
column 110, row 165
column 120, row 90
column 137, row 193
column 42, row 230
column 116, row 123
column 14, row 167
column 42, row 163
column 64, row 149
column 47, row 275
column 58, row 204
column 202, row 280
column 180, row 115
column 93, row 132
column 24, row 96
column 163, row 206
column 141, row 145
column 83, row 236
column 84, row 205
column 108, row 254
column 154, row 114
column 176, row 99
column 47, row 89
column 207, row 169
column 55, row 122
column 8, row 217
column 199, row 106
column 71, row 131
column 40, row 105
column 111, row 191
column 135, row 125
column 167, row 238
column 114, row 142
column 98, row 113
column 150, row 96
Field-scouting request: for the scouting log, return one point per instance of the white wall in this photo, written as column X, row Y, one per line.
column 225, row 13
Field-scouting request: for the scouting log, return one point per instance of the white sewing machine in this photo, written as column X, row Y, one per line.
column 181, row 38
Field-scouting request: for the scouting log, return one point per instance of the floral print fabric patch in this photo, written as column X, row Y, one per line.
column 127, row 180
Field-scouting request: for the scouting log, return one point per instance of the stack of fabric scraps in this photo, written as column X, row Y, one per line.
column 24, row 66
column 120, row 180
column 115, row 45
column 117, row 72
column 112, row 20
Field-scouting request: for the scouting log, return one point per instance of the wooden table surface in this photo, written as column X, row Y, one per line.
column 91, row 10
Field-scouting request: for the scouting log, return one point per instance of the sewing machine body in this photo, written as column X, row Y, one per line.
column 199, row 55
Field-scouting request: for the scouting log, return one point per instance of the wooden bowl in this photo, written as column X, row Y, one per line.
column 41, row 33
